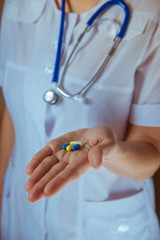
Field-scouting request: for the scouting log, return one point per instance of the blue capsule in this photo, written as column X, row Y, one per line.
column 76, row 147
column 65, row 145
column 72, row 146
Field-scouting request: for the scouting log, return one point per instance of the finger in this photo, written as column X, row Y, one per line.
column 37, row 159
column 52, row 147
column 37, row 191
column 40, row 171
column 71, row 173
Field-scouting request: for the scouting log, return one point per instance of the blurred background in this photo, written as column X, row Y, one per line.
column 1, row 98
column 157, row 175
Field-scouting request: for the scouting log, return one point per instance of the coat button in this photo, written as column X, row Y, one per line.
column 55, row 44
column 49, row 69
column 123, row 227
column 110, row 27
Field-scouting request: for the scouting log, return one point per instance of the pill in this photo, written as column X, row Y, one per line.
column 76, row 142
column 65, row 145
column 69, row 147
column 75, row 147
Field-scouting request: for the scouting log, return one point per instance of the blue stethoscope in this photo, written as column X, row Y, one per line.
column 51, row 96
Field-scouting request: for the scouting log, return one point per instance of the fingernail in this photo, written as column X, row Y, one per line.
column 28, row 171
column 94, row 162
column 46, row 192
column 27, row 187
column 30, row 197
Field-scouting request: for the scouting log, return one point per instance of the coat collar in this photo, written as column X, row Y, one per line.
column 25, row 10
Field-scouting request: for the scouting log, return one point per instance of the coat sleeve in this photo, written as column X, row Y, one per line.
column 145, row 109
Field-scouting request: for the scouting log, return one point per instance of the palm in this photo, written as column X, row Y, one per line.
column 54, row 171
column 52, row 168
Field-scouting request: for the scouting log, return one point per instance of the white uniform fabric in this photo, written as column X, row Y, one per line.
column 100, row 205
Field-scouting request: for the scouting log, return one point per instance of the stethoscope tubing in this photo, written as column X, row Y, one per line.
column 58, row 55
column 111, row 3
column 79, row 95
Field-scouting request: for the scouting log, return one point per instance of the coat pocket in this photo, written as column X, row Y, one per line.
column 139, row 26
column 121, row 219
column 25, row 10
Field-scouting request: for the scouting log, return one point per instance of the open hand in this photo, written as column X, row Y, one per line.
column 52, row 168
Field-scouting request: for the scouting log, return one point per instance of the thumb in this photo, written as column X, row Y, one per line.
column 95, row 157
column 100, row 152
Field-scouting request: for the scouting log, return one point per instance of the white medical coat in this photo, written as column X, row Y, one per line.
column 100, row 205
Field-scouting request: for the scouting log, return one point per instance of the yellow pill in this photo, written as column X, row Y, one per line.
column 69, row 147
column 74, row 142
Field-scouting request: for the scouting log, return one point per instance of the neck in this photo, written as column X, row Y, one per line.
column 78, row 6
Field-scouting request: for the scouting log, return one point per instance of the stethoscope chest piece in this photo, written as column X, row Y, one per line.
column 50, row 97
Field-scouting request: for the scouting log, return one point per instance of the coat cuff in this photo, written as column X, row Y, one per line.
column 147, row 115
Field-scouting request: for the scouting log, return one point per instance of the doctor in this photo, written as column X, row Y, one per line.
column 103, row 190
